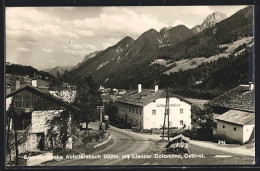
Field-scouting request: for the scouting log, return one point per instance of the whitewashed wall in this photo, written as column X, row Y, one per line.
column 248, row 130
column 175, row 104
column 40, row 118
column 229, row 132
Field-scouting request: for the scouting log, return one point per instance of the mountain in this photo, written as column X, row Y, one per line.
column 210, row 21
column 130, row 61
column 173, row 35
column 208, row 42
column 58, row 70
column 105, row 62
column 87, row 57
column 91, row 55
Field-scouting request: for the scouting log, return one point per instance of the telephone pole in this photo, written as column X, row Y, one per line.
column 166, row 113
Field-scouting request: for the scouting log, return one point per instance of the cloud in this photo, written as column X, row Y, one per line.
column 110, row 42
column 118, row 20
column 49, row 50
column 22, row 49
column 52, row 61
column 179, row 22
column 69, row 8
column 195, row 10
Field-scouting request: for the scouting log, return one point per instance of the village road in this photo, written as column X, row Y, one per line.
column 125, row 143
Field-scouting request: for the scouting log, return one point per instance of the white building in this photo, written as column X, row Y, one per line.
column 146, row 108
column 234, row 113
column 236, row 125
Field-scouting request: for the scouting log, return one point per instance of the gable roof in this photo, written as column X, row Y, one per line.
column 237, row 117
column 238, row 98
column 41, row 93
column 146, row 96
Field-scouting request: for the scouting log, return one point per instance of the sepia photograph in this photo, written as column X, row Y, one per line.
column 130, row 86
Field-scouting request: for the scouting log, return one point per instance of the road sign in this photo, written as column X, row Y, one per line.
column 100, row 107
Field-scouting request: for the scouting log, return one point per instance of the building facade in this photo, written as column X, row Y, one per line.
column 146, row 109
column 33, row 110
column 234, row 113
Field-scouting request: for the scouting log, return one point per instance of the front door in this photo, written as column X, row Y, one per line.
column 40, row 141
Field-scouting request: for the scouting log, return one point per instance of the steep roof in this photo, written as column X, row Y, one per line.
column 146, row 96
column 237, row 117
column 238, row 98
column 41, row 93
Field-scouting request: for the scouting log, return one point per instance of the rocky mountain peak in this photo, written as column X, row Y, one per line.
column 210, row 21
column 214, row 18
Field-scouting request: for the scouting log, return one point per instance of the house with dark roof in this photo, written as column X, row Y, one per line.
column 145, row 108
column 32, row 109
column 234, row 113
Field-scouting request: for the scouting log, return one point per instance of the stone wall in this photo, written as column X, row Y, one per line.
column 40, row 118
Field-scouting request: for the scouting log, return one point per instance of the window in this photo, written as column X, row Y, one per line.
column 181, row 122
column 181, row 111
column 140, row 111
column 154, row 112
column 129, row 109
column 235, row 129
column 136, row 111
column 223, row 126
column 133, row 110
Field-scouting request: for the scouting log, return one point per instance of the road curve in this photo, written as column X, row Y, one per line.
column 125, row 142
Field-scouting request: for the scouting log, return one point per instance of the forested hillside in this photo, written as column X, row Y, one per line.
column 14, row 69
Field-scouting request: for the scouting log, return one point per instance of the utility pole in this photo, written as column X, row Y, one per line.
column 166, row 113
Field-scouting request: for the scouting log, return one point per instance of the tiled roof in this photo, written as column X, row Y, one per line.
column 237, row 117
column 238, row 98
column 145, row 97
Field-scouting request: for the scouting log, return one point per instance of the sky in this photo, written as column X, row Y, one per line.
column 46, row 37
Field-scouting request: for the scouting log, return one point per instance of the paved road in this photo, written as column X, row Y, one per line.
column 125, row 143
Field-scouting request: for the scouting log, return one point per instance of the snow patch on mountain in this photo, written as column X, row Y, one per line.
column 102, row 65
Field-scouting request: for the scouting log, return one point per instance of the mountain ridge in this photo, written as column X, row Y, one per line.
column 125, row 64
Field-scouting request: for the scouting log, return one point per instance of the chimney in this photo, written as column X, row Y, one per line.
column 155, row 88
column 251, row 86
column 139, row 88
column 17, row 84
column 34, row 83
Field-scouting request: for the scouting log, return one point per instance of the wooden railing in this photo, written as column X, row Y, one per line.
column 22, row 137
